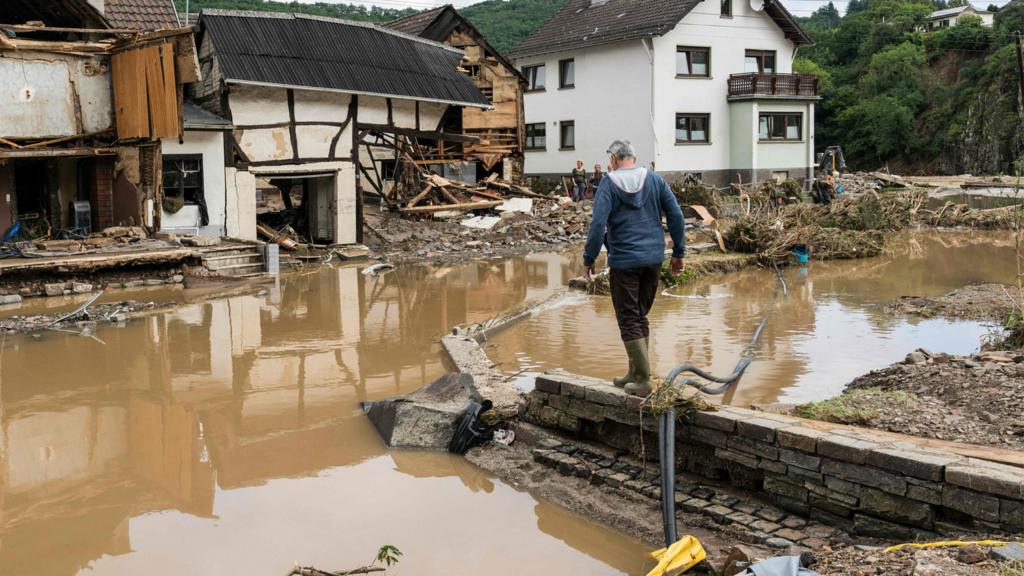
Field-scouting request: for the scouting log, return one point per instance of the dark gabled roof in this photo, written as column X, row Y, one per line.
column 67, row 13
column 302, row 51
column 581, row 25
column 141, row 14
column 437, row 24
column 417, row 23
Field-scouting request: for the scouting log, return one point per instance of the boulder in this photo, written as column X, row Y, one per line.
column 425, row 418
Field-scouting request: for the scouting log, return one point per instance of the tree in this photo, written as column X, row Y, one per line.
column 957, row 3
column 855, row 6
column 877, row 129
column 897, row 72
column 811, row 68
column 992, row 8
column 1010, row 19
column 827, row 16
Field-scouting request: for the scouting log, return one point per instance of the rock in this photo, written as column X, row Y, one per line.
column 177, row 278
column 133, row 283
column 54, row 289
column 426, row 418
column 153, row 282
column 778, row 543
column 737, row 560
column 81, row 287
column 1013, row 552
column 200, row 241
column 10, row 299
column 970, row 554
column 916, row 357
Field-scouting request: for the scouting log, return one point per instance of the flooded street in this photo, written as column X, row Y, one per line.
column 831, row 328
column 226, row 438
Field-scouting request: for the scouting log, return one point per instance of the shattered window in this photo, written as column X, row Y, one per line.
column 183, row 178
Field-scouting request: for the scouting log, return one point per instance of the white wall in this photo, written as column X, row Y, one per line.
column 611, row 100
column 728, row 40
column 210, row 144
column 52, row 80
column 786, row 155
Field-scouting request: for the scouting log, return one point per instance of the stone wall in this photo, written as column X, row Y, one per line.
column 858, row 480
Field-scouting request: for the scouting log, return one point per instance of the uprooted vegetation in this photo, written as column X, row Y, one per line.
column 857, row 407
column 846, row 228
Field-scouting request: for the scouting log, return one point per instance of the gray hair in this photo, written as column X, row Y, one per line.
column 622, row 150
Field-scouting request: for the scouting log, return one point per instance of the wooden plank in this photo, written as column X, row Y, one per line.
column 419, row 197
column 170, row 123
column 150, row 60
column 132, row 108
column 443, row 207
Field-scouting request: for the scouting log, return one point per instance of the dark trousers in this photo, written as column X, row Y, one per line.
column 633, row 292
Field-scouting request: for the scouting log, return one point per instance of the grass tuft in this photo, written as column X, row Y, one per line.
column 857, row 407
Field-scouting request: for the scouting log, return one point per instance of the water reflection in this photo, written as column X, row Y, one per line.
column 226, row 436
column 831, row 328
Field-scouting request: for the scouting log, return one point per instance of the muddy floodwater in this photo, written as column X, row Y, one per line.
column 226, row 438
column 832, row 326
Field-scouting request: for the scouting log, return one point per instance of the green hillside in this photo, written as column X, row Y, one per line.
column 506, row 23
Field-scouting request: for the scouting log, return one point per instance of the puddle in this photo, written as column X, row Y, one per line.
column 226, row 438
column 831, row 328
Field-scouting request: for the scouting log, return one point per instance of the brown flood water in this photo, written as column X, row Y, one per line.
column 226, row 438
column 830, row 329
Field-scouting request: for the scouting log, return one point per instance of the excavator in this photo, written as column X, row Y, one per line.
column 830, row 163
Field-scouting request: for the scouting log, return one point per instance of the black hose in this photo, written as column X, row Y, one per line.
column 667, row 455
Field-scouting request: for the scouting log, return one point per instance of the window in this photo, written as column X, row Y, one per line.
column 566, row 73
column 534, row 77
column 693, row 61
column 692, row 128
column 535, row 136
column 780, row 126
column 727, row 8
column 568, row 135
column 760, row 61
column 183, row 178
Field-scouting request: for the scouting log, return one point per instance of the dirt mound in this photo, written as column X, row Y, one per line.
column 906, row 562
column 973, row 399
column 978, row 302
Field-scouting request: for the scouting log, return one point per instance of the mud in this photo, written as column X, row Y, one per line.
column 906, row 562
column 973, row 399
column 990, row 302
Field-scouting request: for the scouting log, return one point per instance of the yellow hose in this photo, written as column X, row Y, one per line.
column 946, row 544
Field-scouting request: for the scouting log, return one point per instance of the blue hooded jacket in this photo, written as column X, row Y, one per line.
column 628, row 207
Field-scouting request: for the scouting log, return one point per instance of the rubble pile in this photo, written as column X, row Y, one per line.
column 846, row 228
column 959, row 215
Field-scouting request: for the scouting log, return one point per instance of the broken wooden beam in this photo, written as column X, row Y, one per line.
column 444, row 207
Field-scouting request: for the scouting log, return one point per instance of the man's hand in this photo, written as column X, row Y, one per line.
column 588, row 274
column 676, row 267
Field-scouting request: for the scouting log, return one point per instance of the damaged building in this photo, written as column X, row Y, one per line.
column 80, row 132
column 501, row 130
column 320, row 110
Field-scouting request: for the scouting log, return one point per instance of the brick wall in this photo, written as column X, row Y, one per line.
column 103, row 193
column 858, row 480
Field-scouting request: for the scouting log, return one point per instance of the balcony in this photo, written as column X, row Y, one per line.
column 782, row 86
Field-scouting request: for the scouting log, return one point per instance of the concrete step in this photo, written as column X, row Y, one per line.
column 238, row 270
column 219, row 262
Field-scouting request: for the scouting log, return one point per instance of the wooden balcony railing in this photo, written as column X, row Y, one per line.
column 752, row 84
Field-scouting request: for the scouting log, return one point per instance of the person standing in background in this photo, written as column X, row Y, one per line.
column 579, row 181
column 595, row 180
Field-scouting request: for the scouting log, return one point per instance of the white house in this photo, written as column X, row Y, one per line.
column 699, row 87
column 299, row 96
column 951, row 17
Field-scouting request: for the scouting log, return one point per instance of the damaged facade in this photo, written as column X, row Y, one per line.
column 311, row 113
column 699, row 87
column 80, row 137
column 501, row 129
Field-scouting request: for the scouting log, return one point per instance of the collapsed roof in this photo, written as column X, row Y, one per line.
column 311, row 52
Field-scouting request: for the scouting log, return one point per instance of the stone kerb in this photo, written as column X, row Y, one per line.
column 854, row 479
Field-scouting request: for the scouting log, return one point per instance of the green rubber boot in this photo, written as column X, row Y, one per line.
column 631, row 374
column 641, row 384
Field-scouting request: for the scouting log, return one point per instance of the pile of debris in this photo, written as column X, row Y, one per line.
column 960, row 215
column 439, row 195
column 846, row 228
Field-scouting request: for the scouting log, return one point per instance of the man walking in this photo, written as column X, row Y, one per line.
column 628, row 208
